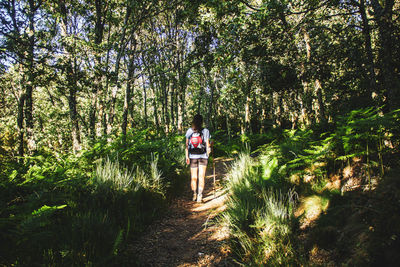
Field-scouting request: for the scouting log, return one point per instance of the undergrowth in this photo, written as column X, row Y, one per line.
column 67, row 210
column 286, row 205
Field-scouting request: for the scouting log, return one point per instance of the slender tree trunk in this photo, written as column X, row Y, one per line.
column 181, row 110
column 389, row 81
column 74, row 119
column 200, row 93
column 31, row 79
column 320, row 111
column 73, row 86
column 107, row 99
column 210, row 115
column 20, row 124
column 155, row 112
column 247, row 117
column 263, row 117
column 71, row 79
column 247, row 114
column 155, row 105
column 165, row 103
column 98, row 31
column 228, row 126
column 172, row 104
column 278, row 109
column 128, row 92
column 144, row 102
column 117, row 84
column 305, row 100
column 92, row 110
column 368, row 48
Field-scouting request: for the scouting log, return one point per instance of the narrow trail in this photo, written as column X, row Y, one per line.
column 184, row 237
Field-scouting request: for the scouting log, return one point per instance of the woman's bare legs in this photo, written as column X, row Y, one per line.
column 198, row 174
column 193, row 183
column 202, row 174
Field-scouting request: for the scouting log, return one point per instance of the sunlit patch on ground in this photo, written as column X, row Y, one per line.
column 334, row 183
column 352, row 184
column 320, row 257
column 210, row 202
column 310, row 209
column 347, row 172
column 219, row 235
column 310, row 173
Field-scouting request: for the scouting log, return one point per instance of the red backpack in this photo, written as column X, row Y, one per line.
column 196, row 143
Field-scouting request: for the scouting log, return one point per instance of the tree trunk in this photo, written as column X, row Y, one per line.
column 247, row 114
column 155, row 112
column 388, row 78
column 98, row 31
column 181, row 110
column 155, row 106
column 144, row 102
column 172, row 104
column 228, row 126
column 320, row 110
column 76, row 139
column 116, row 82
column 165, row 103
column 128, row 92
column 368, row 47
column 20, row 124
column 71, row 80
column 31, row 79
column 210, row 116
column 278, row 109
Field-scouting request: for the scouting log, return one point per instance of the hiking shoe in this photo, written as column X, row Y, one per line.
column 199, row 197
column 194, row 196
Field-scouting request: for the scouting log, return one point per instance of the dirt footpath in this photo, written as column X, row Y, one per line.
column 186, row 236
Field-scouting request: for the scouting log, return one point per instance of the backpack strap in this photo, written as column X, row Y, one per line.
column 190, row 137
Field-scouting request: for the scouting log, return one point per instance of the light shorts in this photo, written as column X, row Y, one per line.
column 195, row 163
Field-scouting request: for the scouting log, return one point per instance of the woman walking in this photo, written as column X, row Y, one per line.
column 197, row 152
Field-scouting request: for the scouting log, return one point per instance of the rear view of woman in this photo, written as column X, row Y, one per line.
column 197, row 151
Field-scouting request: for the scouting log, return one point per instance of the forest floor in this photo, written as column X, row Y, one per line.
column 186, row 236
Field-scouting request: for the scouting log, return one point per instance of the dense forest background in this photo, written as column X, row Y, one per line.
column 91, row 86
column 74, row 72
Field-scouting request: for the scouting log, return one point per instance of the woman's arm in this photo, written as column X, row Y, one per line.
column 187, row 151
column 208, row 147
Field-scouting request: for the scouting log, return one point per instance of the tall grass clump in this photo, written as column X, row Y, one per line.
column 274, row 229
column 112, row 174
column 109, row 172
column 241, row 172
column 260, row 220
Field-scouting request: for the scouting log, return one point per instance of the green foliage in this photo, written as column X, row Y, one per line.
column 364, row 128
column 260, row 220
column 80, row 210
column 227, row 146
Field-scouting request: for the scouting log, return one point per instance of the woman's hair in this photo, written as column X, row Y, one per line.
column 197, row 122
